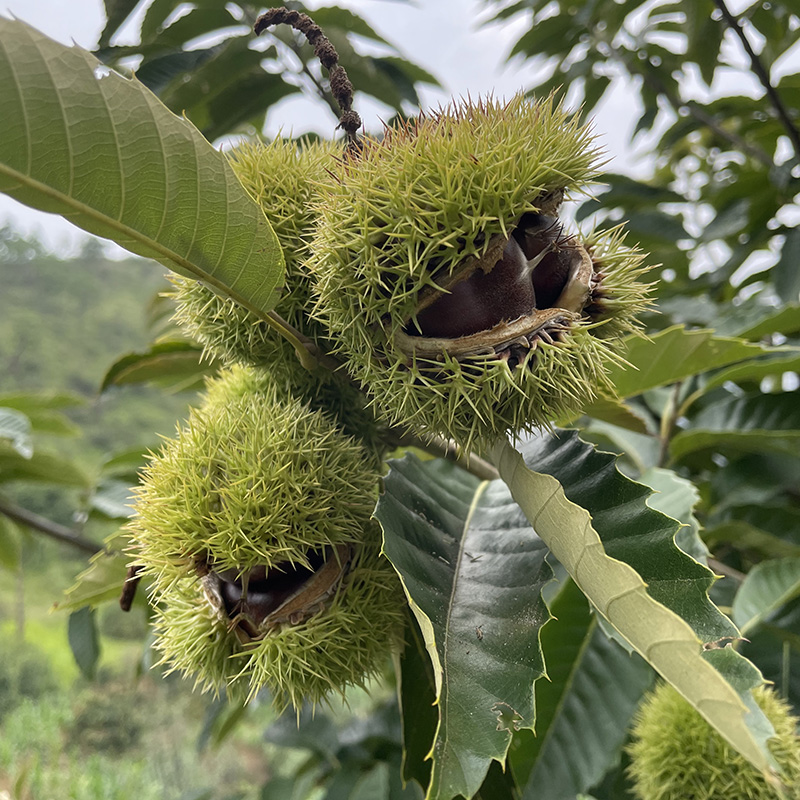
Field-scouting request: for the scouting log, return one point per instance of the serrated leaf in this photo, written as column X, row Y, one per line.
column 80, row 140
column 177, row 365
column 84, row 641
column 473, row 570
column 653, row 627
column 584, row 710
column 15, row 428
column 755, row 423
column 676, row 497
column 767, row 587
column 675, row 354
column 10, row 544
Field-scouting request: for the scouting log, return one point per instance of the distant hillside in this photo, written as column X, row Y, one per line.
column 62, row 324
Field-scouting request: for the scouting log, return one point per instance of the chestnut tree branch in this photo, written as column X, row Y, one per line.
column 47, row 527
column 735, row 24
column 693, row 109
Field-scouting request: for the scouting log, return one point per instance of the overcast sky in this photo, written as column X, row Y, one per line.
column 444, row 36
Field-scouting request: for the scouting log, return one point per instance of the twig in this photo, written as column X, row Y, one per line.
column 668, row 421
column 725, row 570
column 47, row 527
column 132, row 578
column 735, row 24
column 446, row 448
column 695, row 111
column 341, row 88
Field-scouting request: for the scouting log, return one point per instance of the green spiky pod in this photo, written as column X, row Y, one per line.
column 447, row 281
column 255, row 526
column 676, row 754
column 328, row 392
column 281, row 177
column 619, row 295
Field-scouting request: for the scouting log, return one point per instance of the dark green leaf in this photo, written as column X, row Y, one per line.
column 473, row 569
column 728, row 222
column 84, row 641
column 786, row 273
column 750, row 371
column 344, row 19
column 417, row 692
column 159, row 72
column 717, row 682
column 755, row 423
column 583, row 711
column 765, row 321
column 208, row 18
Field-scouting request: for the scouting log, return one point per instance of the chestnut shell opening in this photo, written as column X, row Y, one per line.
column 537, row 269
column 257, row 599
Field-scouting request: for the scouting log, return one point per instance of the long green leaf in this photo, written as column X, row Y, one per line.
column 767, row 587
column 675, row 354
column 40, row 467
column 80, row 140
column 584, row 710
column 84, row 640
column 417, row 694
column 176, row 365
column 657, row 632
column 755, row 423
column 755, row 370
column 473, row 570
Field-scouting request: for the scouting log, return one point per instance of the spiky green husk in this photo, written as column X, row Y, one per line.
column 410, row 210
column 344, row 645
column 475, row 402
column 256, row 480
column 676, row 755
column 324, row 391
column 281, row 177
column 622, row 296
column 428, row 196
